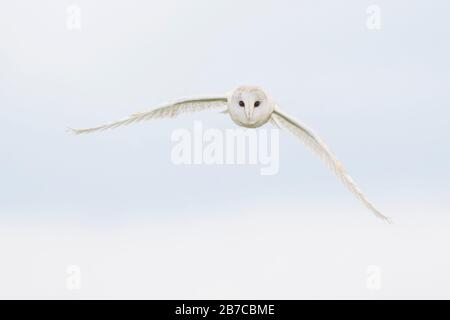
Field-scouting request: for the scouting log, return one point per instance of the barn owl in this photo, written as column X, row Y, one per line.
column 250, row 107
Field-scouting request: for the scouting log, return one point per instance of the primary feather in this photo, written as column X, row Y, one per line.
column 167, row 111
column 312, row 141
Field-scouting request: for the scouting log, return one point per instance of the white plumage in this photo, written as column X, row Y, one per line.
column 249, row 107
column 167, row 111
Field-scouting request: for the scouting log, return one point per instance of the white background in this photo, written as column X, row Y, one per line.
column 140, row 227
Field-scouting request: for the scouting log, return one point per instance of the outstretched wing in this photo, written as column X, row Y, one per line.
column 312, row 141
column 167, row 111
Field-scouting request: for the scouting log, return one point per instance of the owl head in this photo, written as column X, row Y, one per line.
column 250, row 106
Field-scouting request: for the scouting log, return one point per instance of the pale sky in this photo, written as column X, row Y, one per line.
column 378, row 98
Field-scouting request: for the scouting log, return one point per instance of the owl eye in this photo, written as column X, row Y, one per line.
column 257, row 103
column 241, row 103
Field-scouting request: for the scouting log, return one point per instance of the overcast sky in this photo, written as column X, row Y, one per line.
column 139, row 226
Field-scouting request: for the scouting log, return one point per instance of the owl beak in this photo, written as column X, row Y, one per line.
column 249, row 112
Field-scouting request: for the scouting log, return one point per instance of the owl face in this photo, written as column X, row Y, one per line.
column 250, row 107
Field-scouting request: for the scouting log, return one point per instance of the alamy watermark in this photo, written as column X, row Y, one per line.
column 73, row 280
column 373, row 21
column 227, row 147
column 73, row 20
column 373, row 280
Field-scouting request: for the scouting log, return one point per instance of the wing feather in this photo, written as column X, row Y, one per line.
column 315, row 143
column 166, row 111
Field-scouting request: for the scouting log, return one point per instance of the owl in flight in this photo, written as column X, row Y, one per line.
column 249, row 107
